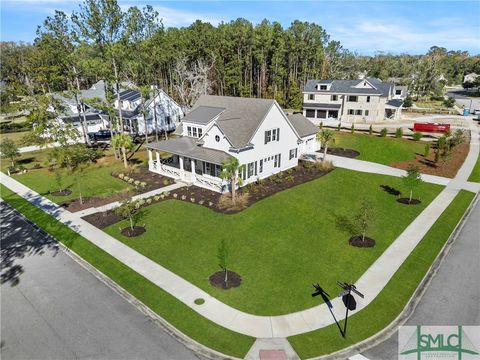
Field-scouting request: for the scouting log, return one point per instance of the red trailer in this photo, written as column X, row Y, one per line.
column 431, row 127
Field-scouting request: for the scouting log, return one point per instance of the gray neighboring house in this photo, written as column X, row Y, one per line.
column 364, row 101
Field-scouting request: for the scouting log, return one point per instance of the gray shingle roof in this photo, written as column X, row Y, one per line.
column 302, row 125
column 203, row 114
column 241, row 118
column 186, row 146
column 321, row 106
column 129, row 95
column 348, row 87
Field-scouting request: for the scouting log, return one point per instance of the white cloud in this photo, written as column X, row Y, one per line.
column 401, row 36
column 177, row 18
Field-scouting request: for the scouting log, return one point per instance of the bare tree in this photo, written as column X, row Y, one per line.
column 192, row 81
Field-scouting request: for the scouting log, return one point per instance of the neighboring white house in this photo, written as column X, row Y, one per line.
column 255, row 131
column 470, row 78
column 163, row 113
column 367, row 100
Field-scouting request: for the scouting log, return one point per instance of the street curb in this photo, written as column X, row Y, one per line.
column 171, row 330
column 408, row 310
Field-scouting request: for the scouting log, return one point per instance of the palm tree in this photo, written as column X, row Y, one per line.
column 326, row 137
column 123, row 141
column 230, row 171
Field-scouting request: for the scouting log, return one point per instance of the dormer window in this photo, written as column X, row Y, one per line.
column 323, row 87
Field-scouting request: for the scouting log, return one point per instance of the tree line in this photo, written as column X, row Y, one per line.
column 100, row 40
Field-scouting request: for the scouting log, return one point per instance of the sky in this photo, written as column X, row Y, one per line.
column 366, row 27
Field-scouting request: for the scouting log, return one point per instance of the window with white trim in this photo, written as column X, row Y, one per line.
column 351, row 112
column 292, row 154
column 334, row 97
column 260, row 167
column 189, row 130
column 352, row 98
column 277, row 160
column 367, row 112
column 311, row 97
column 272, row 135
column 358, row 112
column 194, row 132
column 368, row 98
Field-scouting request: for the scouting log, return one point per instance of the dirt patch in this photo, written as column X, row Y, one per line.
column 136, row 231
column 218, row 280
column 63, row 192
column 348, row 153
column 427, row 164
column 306, row 171
column 357, row 241
column 407, row 201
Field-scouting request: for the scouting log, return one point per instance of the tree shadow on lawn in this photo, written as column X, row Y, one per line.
column 390, row 190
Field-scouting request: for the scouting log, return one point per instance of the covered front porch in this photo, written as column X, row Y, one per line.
column 183, row 160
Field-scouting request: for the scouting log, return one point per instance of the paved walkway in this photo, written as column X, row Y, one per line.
column 371, row 283
column 115, row 204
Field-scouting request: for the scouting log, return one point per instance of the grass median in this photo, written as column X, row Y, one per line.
column 175, row 312
column 394, row 297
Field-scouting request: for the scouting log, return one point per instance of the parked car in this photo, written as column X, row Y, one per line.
column 476, row 111
column 431, row 127
column 100, row 135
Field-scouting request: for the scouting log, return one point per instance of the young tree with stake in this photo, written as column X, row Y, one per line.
column 223, row 258
column 412, row 179
column 326, row 137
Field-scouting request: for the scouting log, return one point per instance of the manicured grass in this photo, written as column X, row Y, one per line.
column 475, row 175
column 431, row 104
column 280, row 245
column 176, row 313
column 377, row 149
column 16, row 137
column 386, row 307
column 93, row 181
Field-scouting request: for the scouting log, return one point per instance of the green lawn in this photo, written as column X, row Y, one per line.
column 475, row 175
column 93, row 181
column 377, row 149
column 280, row 245
column 16, row 137
column 176, row 313
column 431, row 104
column 391, row 301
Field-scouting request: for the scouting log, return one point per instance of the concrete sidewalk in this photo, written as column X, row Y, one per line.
column 372, row 281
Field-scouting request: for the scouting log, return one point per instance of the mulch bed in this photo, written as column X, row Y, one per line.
column 218, row 280
column 136, row 231
column 304, row 172
column 407, row 202
column 427, row 164
column 63, row 192
column 348, row 153
column 358, row 242
column 153, row 180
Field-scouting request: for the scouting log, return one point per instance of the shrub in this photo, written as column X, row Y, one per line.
column 399, row 133
column 166, row 182
column 225, row 202
column 321, row 125
column 383, row 132
column 167, row 193
column 408, row 102
column 426, row 150
column 210, row 203
column 290, row 171
column 121, row 176
column 141, row 202
column 370, row 130
column 352, row 130
column 449, row 102
column 325, row 165
column 290, row 178
column 156, row 197
column 184, row 197
column 130, row 181
column 137, row 205
column 174, row 195
column 37, row 166
column 192, row 200
column 307, row 164
column 137, row 182
column 201, row 202
column 148, row 201
column 143, row 184
column 417, row 136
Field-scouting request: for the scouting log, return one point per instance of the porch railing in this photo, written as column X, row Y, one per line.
column 166, row 170
column 213, row 183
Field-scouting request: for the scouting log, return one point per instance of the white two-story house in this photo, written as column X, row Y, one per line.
column 365, row 101
column 255, row 131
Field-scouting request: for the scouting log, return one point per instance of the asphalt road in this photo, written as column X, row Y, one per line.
column 52, row 308
column 453, row 296
column 474, row 103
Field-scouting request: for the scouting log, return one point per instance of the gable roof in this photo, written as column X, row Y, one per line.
column 241, row 117
column 348, row 86
column 203, row 114
column 302, row 125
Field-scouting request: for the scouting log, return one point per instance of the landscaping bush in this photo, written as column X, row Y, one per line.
column 325, row 165
column 417, row 136
column 449, row 102
column 143, row 184
column 225, row 202
column 408, row 102
column 156, row 197
column 370, row 130
column 166, row 182
column 383, row 132
column 352, row 130
column 399, row 133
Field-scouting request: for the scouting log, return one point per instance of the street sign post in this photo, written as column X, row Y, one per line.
column 348, row 300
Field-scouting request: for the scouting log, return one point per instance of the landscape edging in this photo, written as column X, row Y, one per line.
column 412, row 303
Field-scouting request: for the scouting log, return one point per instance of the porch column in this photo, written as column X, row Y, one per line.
column 158, row 157
column 180, row 161
column 150, row 159
column 192, row 164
